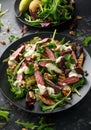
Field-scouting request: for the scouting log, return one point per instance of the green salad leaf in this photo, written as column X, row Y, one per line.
column 27, row 125
column 86, row 40
column 4, row 114
column 2, row 12
column 31, row 125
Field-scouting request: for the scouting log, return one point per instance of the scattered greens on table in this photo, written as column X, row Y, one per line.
column 40, row 126
column 1, row 14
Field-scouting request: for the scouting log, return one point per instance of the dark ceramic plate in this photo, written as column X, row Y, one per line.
column 21, row 18
column 5, row 87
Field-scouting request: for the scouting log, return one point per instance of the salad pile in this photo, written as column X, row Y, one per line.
column 46, row 12
column 47, row 71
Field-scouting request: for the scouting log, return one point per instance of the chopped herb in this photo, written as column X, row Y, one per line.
column 27, row 125
column 12, row 38
column 1, row 14
column 16, row 38
column 85, row 73
column 86, row 41
column 40, row 50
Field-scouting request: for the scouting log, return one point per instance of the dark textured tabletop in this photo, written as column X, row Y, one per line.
column 79, row 116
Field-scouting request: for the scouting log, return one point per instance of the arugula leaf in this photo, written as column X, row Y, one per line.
column 27, row 125
column 1, row 14
column 30, row 70
column 1, row 24
column 0, row 7
column 31, row 125
column 76, row 85
column 4, row 114
column 86, row 73
column 38, row 57
column 69, row 60
column 54, row 34
column 18, row 91
column 56, row 96
column 56, row 54
column 32, row 22
column 40, row 50
column 11, row 38
column 54, row 9
column 78, row 34
column 86, row 41
column 34, row 40
column 45, row 127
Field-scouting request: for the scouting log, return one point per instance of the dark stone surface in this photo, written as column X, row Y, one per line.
column 75, row 118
